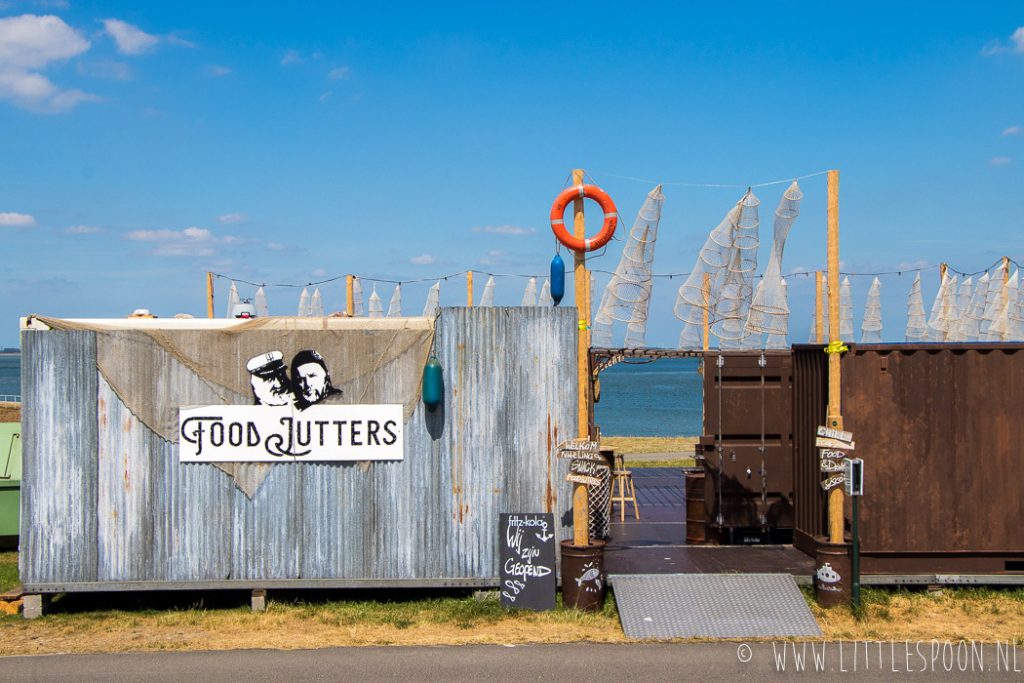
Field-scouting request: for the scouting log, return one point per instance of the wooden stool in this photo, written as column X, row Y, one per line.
column 622, row 481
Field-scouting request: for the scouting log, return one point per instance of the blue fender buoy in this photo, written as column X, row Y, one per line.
column 557, row 278
column 433, row 383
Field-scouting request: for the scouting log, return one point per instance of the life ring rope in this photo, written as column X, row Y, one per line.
column 611, row 217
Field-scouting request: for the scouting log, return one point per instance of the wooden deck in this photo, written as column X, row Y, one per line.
column 656, row 543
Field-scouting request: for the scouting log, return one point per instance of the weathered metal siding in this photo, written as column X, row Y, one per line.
column 107, row 503
column 738, row 410
column 810, row 398
column 939, row 429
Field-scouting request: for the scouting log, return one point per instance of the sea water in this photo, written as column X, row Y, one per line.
column 10, row 374
column 661, row 398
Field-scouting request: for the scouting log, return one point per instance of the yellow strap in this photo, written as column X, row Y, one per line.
column 836, row 347
column 583, row 325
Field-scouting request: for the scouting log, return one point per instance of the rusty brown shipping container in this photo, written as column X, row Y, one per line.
column 747, row 407
column 939, row 429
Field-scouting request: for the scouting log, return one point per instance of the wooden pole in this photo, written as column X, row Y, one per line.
column 943, row 269
column 819, row 303
column 469, row 289
column 580, row 503
column 705, row 314
column 209, row 294
column 350, row 302
column 835, row 413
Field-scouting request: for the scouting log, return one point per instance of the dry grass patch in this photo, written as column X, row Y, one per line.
column 301, row 625
column 10, row 412
column 650, row 444
column 954, row 614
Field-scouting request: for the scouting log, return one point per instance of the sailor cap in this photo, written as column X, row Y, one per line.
column 265, row 363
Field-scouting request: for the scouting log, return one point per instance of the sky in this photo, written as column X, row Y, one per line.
column 144, row 144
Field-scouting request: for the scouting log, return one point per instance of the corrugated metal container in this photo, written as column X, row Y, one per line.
column 939, row 429
column 107, row 506
column 747, row 407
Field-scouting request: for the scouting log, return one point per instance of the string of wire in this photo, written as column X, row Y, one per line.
column 802, row 273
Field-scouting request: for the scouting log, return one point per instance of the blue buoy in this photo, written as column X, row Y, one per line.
column 557, row 278
column 433, row 383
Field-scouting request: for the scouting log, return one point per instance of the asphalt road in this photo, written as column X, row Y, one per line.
column 566, row 662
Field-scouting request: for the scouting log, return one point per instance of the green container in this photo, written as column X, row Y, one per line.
column 10, row 477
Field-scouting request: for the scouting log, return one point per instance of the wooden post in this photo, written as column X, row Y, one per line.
column 819, row 303
column 943, row 269
column 350, row 303
column 580, row 503
column 705, row 291
column 209, row 294
column 469, row 289
column 1006, row 270
column 835, row 413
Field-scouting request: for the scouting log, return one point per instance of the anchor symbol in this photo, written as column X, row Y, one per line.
column 545, row 537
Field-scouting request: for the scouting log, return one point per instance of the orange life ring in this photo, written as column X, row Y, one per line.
column 611, row 217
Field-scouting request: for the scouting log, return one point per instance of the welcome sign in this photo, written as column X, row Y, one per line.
column 282, row 433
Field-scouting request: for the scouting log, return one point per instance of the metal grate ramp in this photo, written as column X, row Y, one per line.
column 711, row 606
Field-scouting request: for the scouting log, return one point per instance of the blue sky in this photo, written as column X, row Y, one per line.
column 145, row 144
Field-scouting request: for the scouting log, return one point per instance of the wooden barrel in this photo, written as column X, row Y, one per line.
column 695, row 510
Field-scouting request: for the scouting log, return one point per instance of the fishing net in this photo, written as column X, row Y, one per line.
column 871, row 328
column 970, row 318
column 994, row 301
column 917, row 325
column 627, row 297
column 376, row 306
column 769, row 310
column 776, row 339
column 1004, row 326
column 262, row 308
column 939, row 320
column 316, row 305
column 233, row 300
column 845, row 309
column 487, row 298
column 303, row 304
column 433, row 301
column 955, row 330
column 357, row 298
column 719, row 284
column 530, row 294
column 545, row 298
column 395, row 307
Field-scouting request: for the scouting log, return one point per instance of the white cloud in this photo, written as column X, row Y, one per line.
column 495, row 258
column 218, row 70
column 999, row 161
column 505, row 230
column 192, row 241
column 9, row 219
column 339, row 73
column 319, row 272
column 131, row 40
column 229, row 218
column 275, row 246
column 324, row 97
column 106, row 68
column 292, row 57
column 83, row 230
column 997, row 47
column 1014, row 130
column 29, row 43
column 423, row 260
column 32, row 42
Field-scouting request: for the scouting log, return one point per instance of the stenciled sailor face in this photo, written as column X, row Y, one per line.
column 311, row 381
column 272, row 390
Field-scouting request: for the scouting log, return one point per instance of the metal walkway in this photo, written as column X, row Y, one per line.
column 664, row 606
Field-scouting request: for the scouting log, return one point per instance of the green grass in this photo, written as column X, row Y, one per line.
column 8, row 570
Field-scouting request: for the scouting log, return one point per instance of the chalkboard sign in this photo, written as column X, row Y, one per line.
column 526, row 543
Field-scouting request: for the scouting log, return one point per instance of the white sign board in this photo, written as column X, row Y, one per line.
column 835, row 434
column 263, row 433
column 836, row 444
